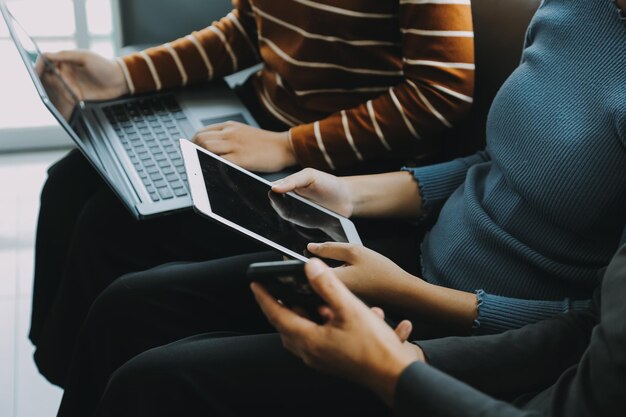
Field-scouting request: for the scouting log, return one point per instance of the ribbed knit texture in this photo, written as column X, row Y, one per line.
column 544, row 207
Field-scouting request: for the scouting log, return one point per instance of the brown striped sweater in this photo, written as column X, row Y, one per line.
column 356, row 80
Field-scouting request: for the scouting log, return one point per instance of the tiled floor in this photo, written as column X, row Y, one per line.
column 23, row 392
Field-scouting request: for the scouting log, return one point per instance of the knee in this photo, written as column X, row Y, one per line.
column 115, row 308
column 71, row 168
column 129, row 390
column 146, row 385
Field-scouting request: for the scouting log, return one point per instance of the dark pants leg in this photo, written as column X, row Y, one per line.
column 144, row 310
column 152, row 308
column 71, row 183
column 108, row 243
column 230, row 376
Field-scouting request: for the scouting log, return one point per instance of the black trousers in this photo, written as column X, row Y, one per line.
column 71, row 184
column 215, row 375
column 108, row 242
column 136, row 338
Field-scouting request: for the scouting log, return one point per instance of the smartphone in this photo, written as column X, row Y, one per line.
column 287, row 282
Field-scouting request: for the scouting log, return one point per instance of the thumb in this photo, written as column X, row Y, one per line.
column 379, row 312
column 338, row 251
column 404, row 330
column 330, row 288
column 301, row 179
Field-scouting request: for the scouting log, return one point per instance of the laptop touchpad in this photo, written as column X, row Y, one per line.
column 238, row 117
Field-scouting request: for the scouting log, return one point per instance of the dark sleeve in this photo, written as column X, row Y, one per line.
column 598, row 387
column 517, row 360
column 472, row 376
column 523, row 360
column 425, row 391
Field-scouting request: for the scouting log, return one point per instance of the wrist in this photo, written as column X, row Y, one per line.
column 385, row 379
column 457, row 308
column 356, row 193
column 289, row 151
column 124, row 82
column 347, row 207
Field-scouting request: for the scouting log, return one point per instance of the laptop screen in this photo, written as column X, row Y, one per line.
column 62, row 99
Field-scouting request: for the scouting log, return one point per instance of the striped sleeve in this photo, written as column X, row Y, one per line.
column 223, row 48
column 436, row 91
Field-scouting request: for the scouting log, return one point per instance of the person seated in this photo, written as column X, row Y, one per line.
column 570, row 365
column 358, row 85
column 521, row 230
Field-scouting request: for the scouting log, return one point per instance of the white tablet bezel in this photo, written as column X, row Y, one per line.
column 201, row 202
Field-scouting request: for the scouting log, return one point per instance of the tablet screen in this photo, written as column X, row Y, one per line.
column 251, row 204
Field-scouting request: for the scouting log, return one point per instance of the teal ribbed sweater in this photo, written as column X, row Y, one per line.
column 528, row 222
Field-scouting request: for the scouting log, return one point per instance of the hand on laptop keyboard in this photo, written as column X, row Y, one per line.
column 249, row 147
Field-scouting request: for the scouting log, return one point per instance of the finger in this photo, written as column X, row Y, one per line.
column 283, row 319
column 404, row 329
column 72, row 57
column 217, row 146
column 217, row 127
column 326, row 313
column 346, row 252
column 40, row 66
column 301, row 179
column 237, row 159
column 55, row 88
column 379, row 312
column 279, row 206
column 330, row 288
column 203, row 135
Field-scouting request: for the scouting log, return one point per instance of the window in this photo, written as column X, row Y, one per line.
column 61, row 24
column 55, row 25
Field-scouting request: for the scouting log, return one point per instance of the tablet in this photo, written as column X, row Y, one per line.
column 245, row 202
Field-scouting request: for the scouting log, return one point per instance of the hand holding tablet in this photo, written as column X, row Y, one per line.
column 246, row 203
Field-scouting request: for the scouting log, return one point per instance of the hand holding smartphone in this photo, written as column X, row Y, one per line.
column 287, row 282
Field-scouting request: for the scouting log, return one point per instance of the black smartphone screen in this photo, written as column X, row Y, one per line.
column 287, row 282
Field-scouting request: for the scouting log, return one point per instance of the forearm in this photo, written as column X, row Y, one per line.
column 424, row 391
column 226, row 46
column 513, row 362
column 504, row 366
column 456, row 309
column 413, row 298
column 393, row 194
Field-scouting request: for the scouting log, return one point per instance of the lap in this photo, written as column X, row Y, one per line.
column 141, row 311
column 71, row 183
column 193, row 298
column 215, row 375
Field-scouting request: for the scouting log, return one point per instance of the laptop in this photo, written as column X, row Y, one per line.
column 133, row 142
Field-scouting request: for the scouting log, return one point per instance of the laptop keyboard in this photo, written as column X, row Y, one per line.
column 149, row 130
